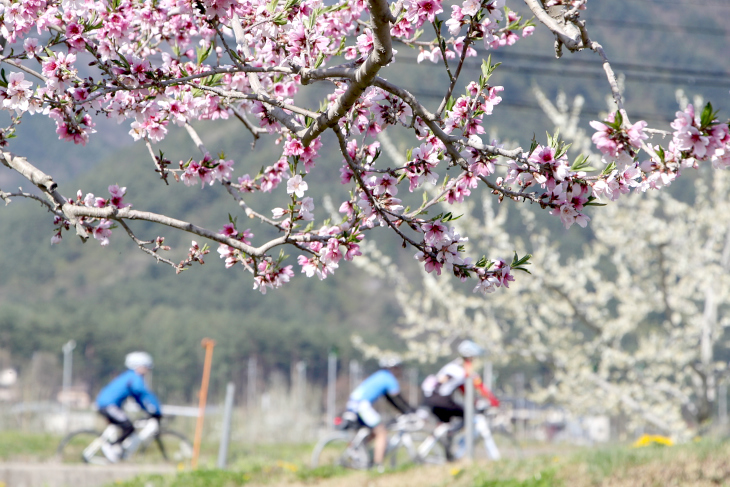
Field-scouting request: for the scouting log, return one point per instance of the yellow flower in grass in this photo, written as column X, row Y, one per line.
column 287, row 466
column 649, row 440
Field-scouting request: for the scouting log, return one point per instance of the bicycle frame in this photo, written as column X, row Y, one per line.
column 481, row 429
column 144, row 433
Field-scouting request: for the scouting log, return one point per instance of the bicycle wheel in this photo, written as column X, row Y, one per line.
column 335, row 450
column 507, row 442
column 430, row 450
column 81, row 446
column 404, row 450
column 168, row 446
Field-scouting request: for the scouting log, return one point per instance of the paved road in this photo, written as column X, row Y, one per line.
column 70, row 475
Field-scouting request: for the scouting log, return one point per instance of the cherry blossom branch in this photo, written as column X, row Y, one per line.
column 368, row 195
column 6, row 197
column 379, row 57
column 196, row 139
column 255, row 131
column 552, row 24
column 158, row 166
column 227, row 184
column 141, row 244
column 441, row 47
column 467, row 43
column 25, row 68
column 263, row 99
column 276, row 112
column 20, row 164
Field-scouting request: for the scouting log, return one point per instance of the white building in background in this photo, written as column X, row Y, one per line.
column 8, row 382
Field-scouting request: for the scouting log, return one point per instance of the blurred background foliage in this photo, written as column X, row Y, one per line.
column 116, row 299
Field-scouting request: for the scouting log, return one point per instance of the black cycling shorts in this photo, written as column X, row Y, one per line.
column 444, row 407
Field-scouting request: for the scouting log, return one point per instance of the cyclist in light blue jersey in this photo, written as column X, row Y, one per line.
column 382, row 383
column 125, row 385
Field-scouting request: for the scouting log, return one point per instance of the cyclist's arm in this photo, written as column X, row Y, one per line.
column 397, row 401
column 145, row 398
column 486, row 392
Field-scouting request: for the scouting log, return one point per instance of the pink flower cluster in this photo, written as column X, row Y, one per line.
column 326, row 256
column 103, row 229
column 701, row 137
column 566, row 193
column 442, row 247
column 207, row 171
column 231, row 255
column 499, row 274
column 619, row 144
column 271, row 275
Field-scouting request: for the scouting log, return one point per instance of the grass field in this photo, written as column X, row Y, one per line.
column 702, row 463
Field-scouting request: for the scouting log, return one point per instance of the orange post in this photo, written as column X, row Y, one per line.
column 208, row 344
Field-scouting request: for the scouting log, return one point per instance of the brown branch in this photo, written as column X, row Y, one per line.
column 141, row 244
column 379, row 57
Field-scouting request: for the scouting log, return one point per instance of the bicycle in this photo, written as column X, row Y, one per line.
column 488, row 424
column 348, row 447
column 148, row 444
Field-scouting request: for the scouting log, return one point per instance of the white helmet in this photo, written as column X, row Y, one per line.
column 138, row 359
column 469, row 349
column 390, row 360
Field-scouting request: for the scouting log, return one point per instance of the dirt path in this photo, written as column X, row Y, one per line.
column 67, row 475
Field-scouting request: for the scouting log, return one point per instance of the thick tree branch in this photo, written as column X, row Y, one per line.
column 378, row 58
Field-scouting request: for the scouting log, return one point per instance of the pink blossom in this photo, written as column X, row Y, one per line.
column 102, row 232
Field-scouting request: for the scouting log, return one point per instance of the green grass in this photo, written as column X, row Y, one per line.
column 15, row 445
column 545, row 478
column 196, row 478
column 617, row 465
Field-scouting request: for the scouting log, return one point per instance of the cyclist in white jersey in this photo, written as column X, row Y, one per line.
column 439, row 389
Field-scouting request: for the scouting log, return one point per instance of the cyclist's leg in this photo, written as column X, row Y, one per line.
column 446, row 409
column 114, row 451
column 372, row 420
column 115, row 415
column 485, row 431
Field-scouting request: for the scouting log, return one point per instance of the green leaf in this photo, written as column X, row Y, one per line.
column 272, row 5
column 618, row 120
column 488, row 68
column 450, row 103
column 581, row 164
column 608, row 169
column 203, row 53
column 319, row 61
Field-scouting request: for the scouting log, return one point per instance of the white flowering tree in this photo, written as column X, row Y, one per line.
column 156, row 63
column 632, row 323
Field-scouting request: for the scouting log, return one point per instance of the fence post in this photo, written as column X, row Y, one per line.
column 226, row 427
column 301, row 384
column 355, row 377
column 331, row 388
column 413, row 386
column 722, row 403
column 520, row 404
column 208, row 344
column 469, row 416
column 488, row 374
column 251, row 383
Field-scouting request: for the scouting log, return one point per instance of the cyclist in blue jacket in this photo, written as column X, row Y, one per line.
column 382, row 383
column 125, row 385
